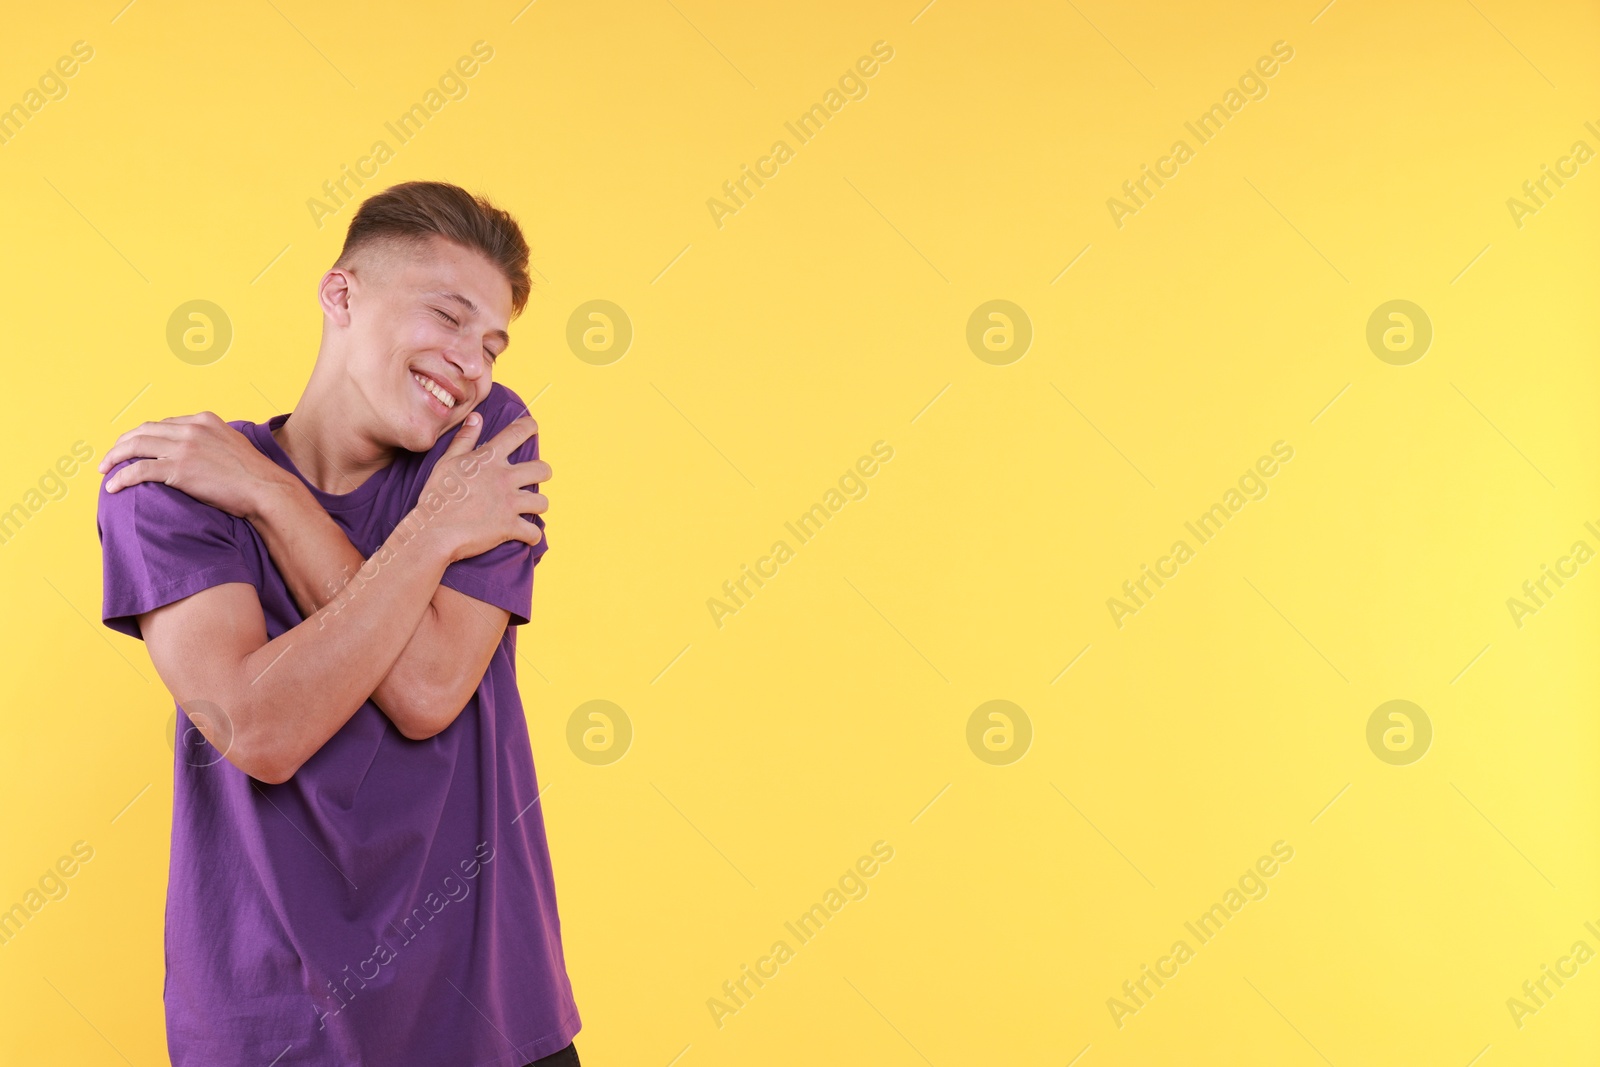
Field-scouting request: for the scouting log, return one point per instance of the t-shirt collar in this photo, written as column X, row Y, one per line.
column 361, row 496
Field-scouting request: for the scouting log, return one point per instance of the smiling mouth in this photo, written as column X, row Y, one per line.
column 436, row 393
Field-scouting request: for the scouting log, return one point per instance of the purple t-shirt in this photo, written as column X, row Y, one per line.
column 393, row 902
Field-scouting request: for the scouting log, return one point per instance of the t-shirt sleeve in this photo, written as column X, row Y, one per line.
column 503, row 576
column 158, row 545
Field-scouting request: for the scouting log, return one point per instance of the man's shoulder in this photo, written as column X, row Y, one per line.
column 500, row 409
column 244, row 426
column 151, row 503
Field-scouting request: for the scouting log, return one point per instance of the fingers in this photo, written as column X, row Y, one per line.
column 526, row 532
column 466, row 438
column 201, row 417
column 134, row 443
column 531, row 503
column 106, row 461
column 532, row 472
column 510, row 439
column 164, row 429
column 146, row 470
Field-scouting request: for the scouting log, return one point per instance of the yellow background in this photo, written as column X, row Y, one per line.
column 769, row 354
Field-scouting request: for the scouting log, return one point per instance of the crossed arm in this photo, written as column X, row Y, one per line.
column 389, row 633
column 448, row 651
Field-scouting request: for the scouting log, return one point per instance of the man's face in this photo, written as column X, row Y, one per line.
column 437, row 312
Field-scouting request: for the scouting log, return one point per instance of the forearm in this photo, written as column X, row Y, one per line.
column 300, row 688
column 318, row 562
column 309, row 549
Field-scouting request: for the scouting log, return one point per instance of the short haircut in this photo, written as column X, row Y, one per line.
column 409, row 214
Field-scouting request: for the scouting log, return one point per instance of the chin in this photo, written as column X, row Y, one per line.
column 435, row 438
column 421, row 439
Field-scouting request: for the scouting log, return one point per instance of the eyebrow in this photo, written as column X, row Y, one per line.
column 471, row 307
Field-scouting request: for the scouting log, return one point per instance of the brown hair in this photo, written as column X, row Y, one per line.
column 409, row 213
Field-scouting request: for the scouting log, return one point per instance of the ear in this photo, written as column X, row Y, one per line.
column 334, row 292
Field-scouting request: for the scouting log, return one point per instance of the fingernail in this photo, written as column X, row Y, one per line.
column 473, row 419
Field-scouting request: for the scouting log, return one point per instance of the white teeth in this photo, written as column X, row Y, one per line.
column 433, row 387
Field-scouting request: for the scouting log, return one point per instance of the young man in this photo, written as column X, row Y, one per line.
column 359, row 868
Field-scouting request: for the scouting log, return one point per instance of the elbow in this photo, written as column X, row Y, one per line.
column 263, row 767
column 268, row 764
column 417, row 710
column 417, row 728
column 264, row 755
column 273, row 775
column 426, row 714
column 239, row 738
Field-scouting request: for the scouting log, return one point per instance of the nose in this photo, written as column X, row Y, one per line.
column 473, row 363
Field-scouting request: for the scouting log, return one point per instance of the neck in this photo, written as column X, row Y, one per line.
column 327, row 437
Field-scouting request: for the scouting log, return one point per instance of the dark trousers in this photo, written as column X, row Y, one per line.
column 567, row 1057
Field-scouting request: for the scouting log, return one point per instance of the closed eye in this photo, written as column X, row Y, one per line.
column 446, row 317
